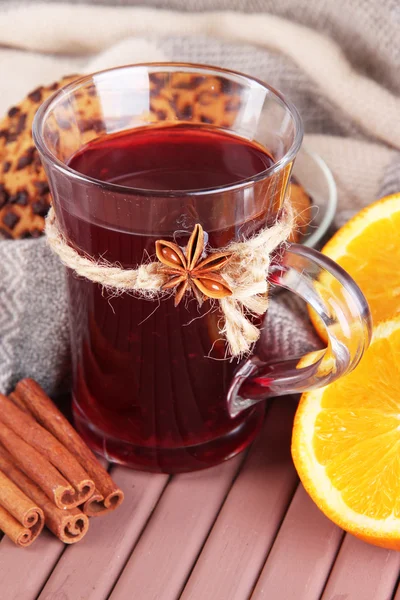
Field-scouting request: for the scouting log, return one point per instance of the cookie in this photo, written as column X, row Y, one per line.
column 82, row 116
column 24, row 191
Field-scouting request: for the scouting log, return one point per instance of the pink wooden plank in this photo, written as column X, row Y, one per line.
column 24, row 571
column 88, row 570
column 302, row 555
column 175, row 534
column 235, row 551
column 397, row 596
column 362, row 572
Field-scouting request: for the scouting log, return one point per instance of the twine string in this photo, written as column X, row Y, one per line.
column 246, row 273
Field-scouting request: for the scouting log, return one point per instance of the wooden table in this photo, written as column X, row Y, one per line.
column 244, row 529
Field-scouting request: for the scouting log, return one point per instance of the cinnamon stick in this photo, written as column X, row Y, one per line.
column 108, row 496
column 38, row 468
column 99, row 505
column 20, row 519
column 69, row 525
column 16, row 400
column 17, row 533
column 19, row 505
column 22, row 423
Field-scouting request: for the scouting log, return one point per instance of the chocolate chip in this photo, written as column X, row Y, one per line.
column 6, row 166
column 24, row 235
column 32, row 233
column 98, row 125
column 37, row 162
column 36, row 95
column 185, row 85
column 21, row 123
column 198, row 80
column 204, row 119
column 20, row 198
column 10, row 219
column 85, row 125
column 4, row 197
column 186, row 112
column 11, row 137
column 8, row 135
column 42, row 187
column 5, row 235
column 161, row 115
column 227, row 86
column 155, row 91
column 14, row 110
column 192, row 84
column 40, row 207
column 157, row 77
column 92, row 91
column 26, row 159
column 53, row 86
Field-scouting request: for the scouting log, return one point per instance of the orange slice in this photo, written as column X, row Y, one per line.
column 346, row 443
column 368, row 248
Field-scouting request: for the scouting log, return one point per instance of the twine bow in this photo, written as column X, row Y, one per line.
column 246, row 275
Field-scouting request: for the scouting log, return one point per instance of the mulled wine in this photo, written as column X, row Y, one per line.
column 151, row 379
column 144, row 153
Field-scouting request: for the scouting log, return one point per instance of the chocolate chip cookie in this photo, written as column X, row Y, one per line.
column 24, row 191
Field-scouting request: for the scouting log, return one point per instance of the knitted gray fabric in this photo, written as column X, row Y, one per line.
column 33, row 305
column 34, row 337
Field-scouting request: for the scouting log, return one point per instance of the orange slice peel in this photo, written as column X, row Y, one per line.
column 346, row 443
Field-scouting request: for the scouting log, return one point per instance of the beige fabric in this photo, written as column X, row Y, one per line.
column 83, row 29
column 357, row 167
column 339, row 62
column 366, row 30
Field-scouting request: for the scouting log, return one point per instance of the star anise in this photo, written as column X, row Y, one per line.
column 187, row 271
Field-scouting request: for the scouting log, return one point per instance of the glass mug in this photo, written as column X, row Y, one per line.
column 152, row 386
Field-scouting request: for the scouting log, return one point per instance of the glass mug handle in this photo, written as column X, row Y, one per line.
column 340, row 305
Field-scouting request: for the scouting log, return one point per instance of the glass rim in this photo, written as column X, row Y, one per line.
column 45, row 108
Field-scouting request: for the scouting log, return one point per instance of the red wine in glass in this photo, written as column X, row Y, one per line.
column 151, row 379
